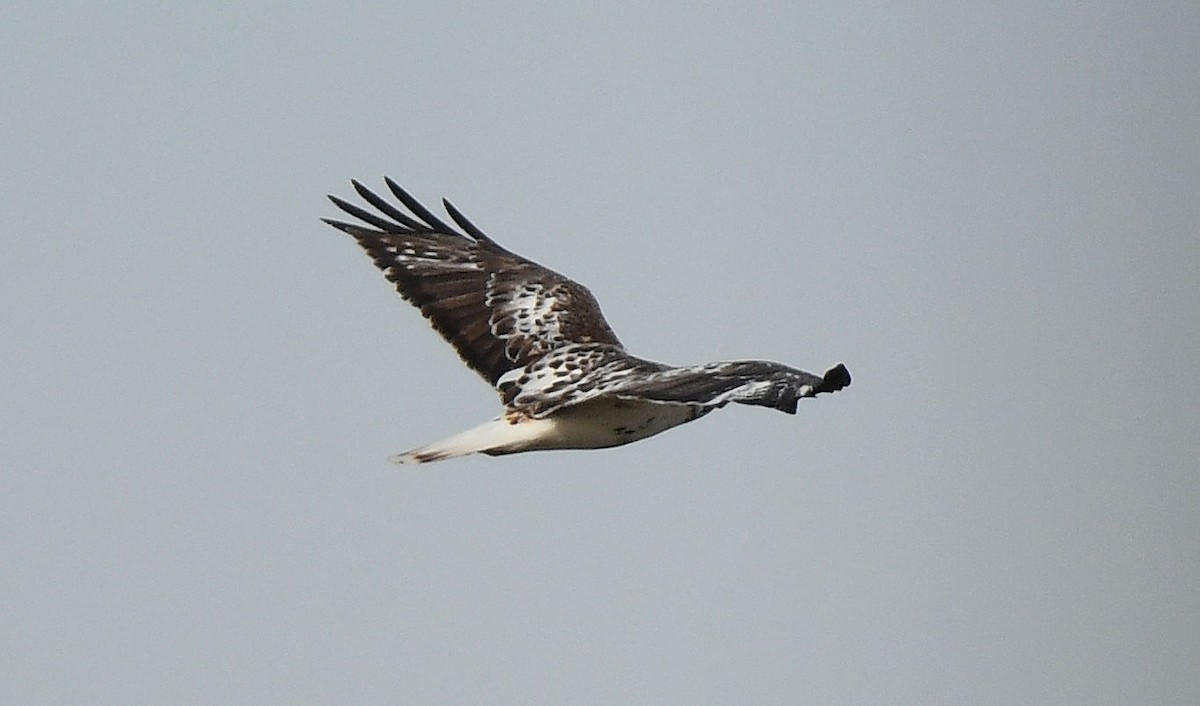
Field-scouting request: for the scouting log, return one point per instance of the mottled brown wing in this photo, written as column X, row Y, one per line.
column 499, row 310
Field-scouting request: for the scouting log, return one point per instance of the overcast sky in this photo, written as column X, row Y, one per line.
column 989, row 212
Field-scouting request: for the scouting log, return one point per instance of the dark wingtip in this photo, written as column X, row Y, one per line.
column 345, row 227
column 465, row 223
column 415, row 206
column 835, row 379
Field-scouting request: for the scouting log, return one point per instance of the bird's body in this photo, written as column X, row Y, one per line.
column 595, row 424
column 564, row 378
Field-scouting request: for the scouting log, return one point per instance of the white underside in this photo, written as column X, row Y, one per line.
column 592, row 425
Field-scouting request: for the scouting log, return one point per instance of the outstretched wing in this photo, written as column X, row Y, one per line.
column 576, row 374
column 714, row 385
column 499, row 310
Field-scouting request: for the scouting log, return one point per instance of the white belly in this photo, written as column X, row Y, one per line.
column 598, row 424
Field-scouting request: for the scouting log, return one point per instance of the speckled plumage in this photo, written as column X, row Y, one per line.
column 541, row 340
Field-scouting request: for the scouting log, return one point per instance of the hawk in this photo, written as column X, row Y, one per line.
column 564, row 378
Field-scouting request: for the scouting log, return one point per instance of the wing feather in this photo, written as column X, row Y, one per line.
column 465, row 223
column 385, row 208
column 499, row 310
column 752, row 382
column 578, row 374
column 418, row 209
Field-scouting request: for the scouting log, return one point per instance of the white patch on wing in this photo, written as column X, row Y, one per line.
column 556, row 378
column 410, row 258
column 528, row 308
column 571, row 375
column 748, row 390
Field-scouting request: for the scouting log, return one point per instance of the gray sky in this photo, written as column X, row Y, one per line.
column 990, row 214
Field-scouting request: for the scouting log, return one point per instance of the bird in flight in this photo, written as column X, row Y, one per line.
column 564, row 378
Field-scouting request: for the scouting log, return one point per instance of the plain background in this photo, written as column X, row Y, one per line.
column 989, row 212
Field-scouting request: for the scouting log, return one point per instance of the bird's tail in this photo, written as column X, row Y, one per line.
column 499, row 436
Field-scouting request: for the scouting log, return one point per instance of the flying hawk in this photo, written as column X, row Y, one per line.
column 564, row 378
